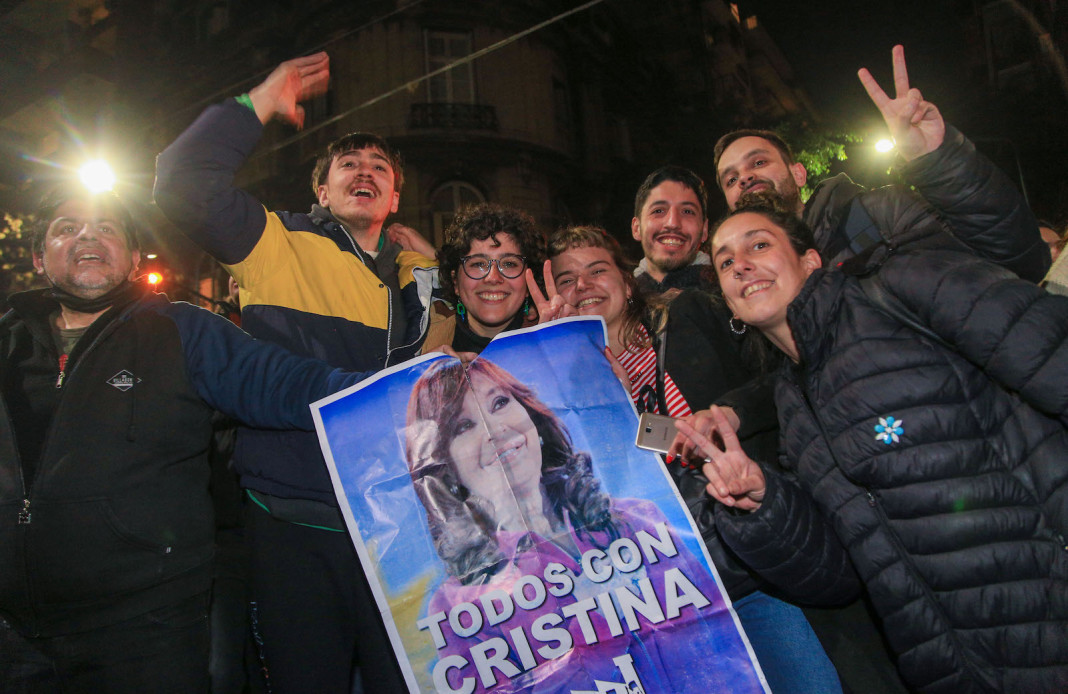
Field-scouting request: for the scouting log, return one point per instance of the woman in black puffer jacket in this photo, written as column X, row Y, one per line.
column 923, row 418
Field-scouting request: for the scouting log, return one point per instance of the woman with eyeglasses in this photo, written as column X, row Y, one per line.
column 487, row 250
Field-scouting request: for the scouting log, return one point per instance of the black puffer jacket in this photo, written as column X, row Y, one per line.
column 956, row 524
column 958, row 191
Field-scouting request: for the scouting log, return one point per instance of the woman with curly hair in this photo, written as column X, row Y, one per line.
column 508, row 499
column 483, row 264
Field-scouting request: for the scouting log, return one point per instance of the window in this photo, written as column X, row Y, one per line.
column 458, row 84
column 446, row 201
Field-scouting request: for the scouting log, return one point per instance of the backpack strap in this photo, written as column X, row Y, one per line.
column 889, row 304
column 658, row 341
column 865, row 267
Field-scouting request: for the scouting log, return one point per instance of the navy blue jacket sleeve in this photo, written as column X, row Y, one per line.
column 195, row 182
column 981, row 204
column 256, row 382
column 789, row 543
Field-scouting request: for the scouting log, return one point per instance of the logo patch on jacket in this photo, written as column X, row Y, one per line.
column 124, row 380
column 889, row 430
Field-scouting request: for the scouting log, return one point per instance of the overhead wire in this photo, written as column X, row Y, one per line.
column 233, row 87
column 411, row 84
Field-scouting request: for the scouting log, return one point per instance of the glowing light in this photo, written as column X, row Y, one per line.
column 151, row 256
column 97, row 176
column 883, row 146
column 154, row 278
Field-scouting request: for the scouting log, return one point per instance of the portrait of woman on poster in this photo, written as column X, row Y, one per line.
column 506, row 494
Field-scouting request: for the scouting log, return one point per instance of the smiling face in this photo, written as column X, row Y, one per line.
column 759, row 272
column 495, row 450
column 86, row 251
column 588, row 279
column 493, row 301
column 751, row 164
column 671, row 228
column 359, row 189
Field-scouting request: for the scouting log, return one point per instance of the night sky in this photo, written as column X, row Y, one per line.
column 828, row 41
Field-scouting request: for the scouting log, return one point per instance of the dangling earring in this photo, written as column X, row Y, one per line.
column 461, row 310
column 526, row 307
column 734, row 328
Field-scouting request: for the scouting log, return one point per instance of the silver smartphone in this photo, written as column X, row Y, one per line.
column 655, row 432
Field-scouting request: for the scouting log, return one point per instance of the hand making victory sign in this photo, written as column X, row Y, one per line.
column 555, row 307
column 552, row 307
column 289, row 84
column 733, row 478
column 916, row 125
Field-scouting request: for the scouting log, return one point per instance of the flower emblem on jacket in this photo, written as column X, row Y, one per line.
column 889, row 430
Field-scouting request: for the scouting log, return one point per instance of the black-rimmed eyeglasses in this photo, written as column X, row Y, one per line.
column 478, row 266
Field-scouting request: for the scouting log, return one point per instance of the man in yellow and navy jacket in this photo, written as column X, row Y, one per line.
column 331, row 284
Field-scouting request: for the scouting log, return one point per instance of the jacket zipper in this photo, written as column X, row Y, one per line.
column 25, row 515
column 389, row 294
column 422, row 333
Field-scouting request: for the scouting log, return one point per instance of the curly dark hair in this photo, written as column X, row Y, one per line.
column 461, row 524
column 487, row 221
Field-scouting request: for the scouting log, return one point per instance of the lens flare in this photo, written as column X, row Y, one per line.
column 97, row 176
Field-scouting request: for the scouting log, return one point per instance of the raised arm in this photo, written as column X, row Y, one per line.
column 982, row 206
column 195, row 174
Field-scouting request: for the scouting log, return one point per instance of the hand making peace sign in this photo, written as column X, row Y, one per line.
column 916, row 125
column 733, row 478
column 552, row 307
column 555, row 307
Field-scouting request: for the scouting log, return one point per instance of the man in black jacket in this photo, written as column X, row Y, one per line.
column 953, row 182
column 108, row 390
column 671, row 223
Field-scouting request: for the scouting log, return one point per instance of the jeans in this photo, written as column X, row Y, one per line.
column 164, row 651
column 790, row 655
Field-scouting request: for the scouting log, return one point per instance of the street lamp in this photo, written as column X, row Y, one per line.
column 97, row 176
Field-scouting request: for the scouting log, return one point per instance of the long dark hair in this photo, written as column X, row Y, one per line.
column 461, row 524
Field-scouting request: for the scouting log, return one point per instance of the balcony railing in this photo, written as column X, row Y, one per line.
column 456, row 116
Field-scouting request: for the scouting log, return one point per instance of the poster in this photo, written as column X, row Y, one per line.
column 515, row 538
